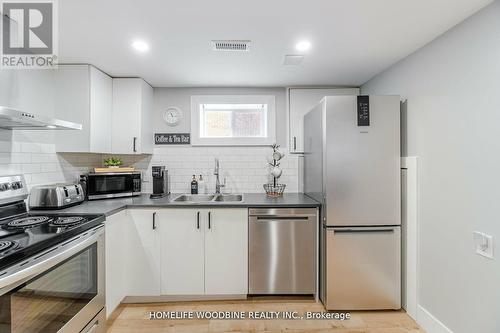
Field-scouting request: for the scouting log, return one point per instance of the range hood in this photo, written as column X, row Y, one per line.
column 13, row 119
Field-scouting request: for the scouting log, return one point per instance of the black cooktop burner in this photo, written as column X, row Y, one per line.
column 27, row 222
column 25, row 235
column 68, row 221
column 6, row 245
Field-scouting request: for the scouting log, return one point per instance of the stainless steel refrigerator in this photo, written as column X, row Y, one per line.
column 352, row 166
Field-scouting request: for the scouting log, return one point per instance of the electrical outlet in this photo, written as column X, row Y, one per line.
column 483, row 244
column 145, row 176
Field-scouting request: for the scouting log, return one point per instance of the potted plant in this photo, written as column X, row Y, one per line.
column 113, row 162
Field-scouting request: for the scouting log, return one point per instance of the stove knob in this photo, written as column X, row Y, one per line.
column 16, row 185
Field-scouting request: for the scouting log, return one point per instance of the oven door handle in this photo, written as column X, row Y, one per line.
column 38, row 264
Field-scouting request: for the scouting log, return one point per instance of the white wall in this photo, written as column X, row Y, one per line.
column 181, row 98
column 244, row 167
column 452, row 86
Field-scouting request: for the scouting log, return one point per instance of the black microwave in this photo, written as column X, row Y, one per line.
column 111, row 185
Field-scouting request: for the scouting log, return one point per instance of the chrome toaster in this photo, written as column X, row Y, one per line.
column 55, row 196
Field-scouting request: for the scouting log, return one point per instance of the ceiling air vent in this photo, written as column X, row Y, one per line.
column 231, row 45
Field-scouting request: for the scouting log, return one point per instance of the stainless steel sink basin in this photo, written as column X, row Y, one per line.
column 194, row 198
column 229, row 198
column 208, row 198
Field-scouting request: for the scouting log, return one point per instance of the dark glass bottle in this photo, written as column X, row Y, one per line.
column 194, row 186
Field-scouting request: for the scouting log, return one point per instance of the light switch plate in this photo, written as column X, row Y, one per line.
column 483, row 244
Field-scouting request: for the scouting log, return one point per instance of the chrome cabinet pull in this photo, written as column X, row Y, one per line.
column 135, row 144
column 154, row 220
column 209, row 220
column 198, row 220
column 294, row 143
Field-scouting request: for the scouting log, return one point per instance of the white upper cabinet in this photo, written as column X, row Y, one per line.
column 132, row 129
column 300, row 102
column 83, row 94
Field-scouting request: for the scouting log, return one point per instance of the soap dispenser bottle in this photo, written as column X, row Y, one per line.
column 201, row 186
column 194, row 186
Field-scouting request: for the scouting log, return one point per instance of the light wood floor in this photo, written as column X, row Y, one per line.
column 135, row 318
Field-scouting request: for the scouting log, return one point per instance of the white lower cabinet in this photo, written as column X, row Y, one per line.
column 176, row 251
column 226, row 252
column 204, row 251
column 115, row 242
column 182, row 243
column 143, row 253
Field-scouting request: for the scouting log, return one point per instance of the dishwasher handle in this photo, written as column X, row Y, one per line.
column 280, row 218
column 362, row 230
column 283, row 212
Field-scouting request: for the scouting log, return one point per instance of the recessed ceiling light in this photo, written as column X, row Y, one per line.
column 303, row 45
column 140, row 46
column 51, row 126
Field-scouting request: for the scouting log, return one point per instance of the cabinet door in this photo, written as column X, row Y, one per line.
column 143, row 253
column 126, row 127
column 226, row 252
column 83, row 94
column 147, row 136
column 72, row 103
column 101, row 103
column 300, row 102
column 116, row 227
column 182, row 243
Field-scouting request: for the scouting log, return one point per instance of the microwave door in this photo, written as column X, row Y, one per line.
column 101, row 186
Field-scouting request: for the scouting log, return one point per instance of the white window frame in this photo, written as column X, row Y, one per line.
column 196, row 101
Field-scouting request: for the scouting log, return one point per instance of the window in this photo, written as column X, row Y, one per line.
column 233, row 120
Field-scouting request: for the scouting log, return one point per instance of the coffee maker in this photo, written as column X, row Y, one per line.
column 160, row 182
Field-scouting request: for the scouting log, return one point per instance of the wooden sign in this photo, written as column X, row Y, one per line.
column 172, row 138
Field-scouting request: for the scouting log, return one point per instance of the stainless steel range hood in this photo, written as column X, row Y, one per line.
column 13, row 119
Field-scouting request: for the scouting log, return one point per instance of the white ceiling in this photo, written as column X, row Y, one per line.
column 352, row 40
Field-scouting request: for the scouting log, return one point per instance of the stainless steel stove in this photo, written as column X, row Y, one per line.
column 53, row 263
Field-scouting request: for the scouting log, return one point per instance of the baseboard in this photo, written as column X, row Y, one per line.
column 430, row 323
column 181, row 298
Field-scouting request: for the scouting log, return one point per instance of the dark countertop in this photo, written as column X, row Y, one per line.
column 112, row 206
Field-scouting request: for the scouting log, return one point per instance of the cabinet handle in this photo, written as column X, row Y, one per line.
column 94, row 327
column 135, row 144
column 294, row 143
column 209, row 220
column 198, row 220
column 154, row 220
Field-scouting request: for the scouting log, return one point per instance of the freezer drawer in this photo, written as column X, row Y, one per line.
column 363, row 268
column 282, row 251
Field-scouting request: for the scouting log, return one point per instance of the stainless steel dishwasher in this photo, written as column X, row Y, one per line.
column 282, row 251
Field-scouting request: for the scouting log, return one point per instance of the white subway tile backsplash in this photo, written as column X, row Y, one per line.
column 20, row 157
column 244, row 168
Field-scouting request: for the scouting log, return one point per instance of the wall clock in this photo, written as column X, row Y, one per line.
column 172, row 116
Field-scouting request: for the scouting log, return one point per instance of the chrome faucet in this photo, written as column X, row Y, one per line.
column 218, row 185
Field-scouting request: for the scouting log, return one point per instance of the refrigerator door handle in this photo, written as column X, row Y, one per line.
column 355, row 230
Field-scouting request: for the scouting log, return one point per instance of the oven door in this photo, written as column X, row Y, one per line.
column 111, row 185
column 60, row 290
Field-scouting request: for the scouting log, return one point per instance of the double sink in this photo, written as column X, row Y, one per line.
column 207, row 198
